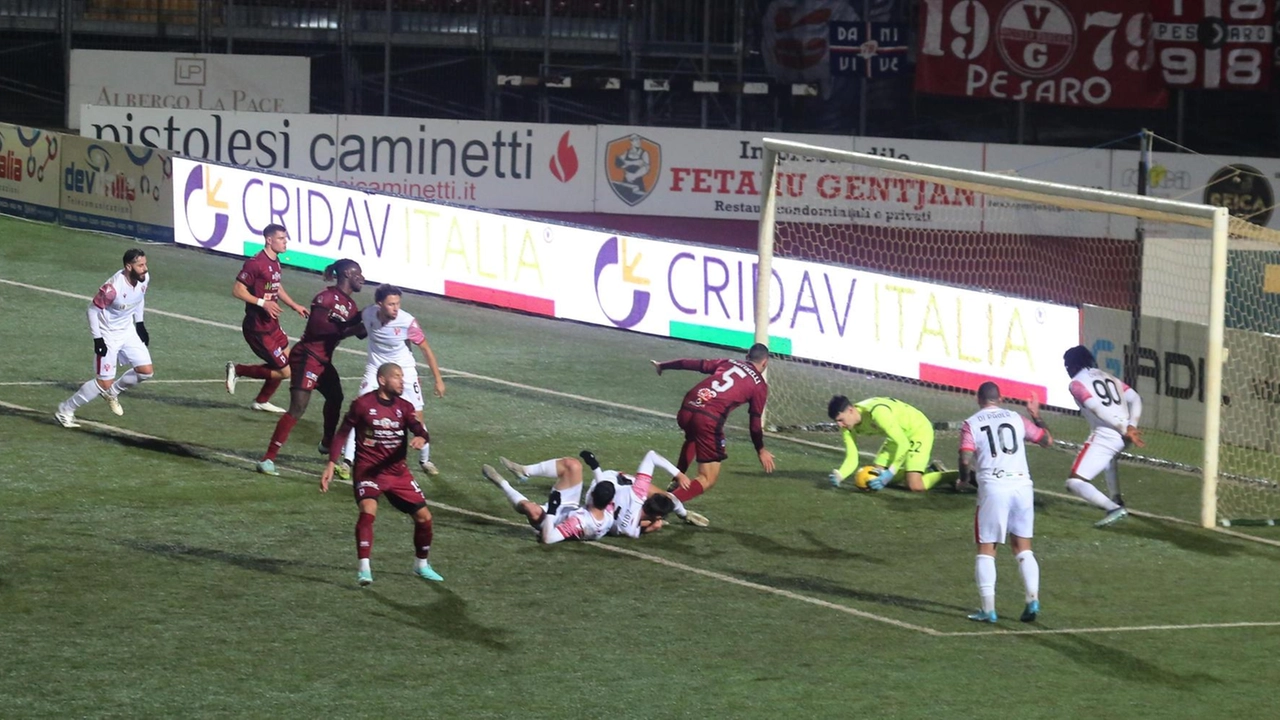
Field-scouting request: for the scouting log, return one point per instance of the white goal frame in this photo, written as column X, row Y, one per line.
column 1216, row 219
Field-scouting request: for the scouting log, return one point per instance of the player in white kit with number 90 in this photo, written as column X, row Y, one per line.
column 993, row 453
column 1112, row 409
column 391, row 333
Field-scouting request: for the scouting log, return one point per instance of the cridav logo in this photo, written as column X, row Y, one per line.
column 564, row 164
column 200, row 179
column 611, row 254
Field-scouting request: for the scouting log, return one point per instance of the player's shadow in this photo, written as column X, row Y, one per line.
column 826, row 587
column 1188, row 538
column 934, row 501
column 271, row 566
column 1113, row 663
column 446, row 618
column 816, row 548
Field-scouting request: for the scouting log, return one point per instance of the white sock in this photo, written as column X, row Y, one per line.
column 1030, row 570
column 364, row 564
column 349, row 447
column 513, row 496
column 1113, row 479
column 546, row 468
column 424, row 457
column 984, row 572
column 87, row 392
column 126, row 381
column 1090, row 494
column 419, row 563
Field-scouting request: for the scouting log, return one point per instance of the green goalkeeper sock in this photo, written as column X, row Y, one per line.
column 933, row 478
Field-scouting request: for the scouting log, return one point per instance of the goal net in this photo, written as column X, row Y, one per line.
column 899, row 278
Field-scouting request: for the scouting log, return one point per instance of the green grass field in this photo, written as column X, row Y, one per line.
column 147, row 571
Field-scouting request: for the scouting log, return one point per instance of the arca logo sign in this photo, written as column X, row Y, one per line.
column 201, row 179
column 614, row 252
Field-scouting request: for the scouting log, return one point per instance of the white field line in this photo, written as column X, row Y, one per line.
column 1129, row 628
column 656, row 413
column 504, row 521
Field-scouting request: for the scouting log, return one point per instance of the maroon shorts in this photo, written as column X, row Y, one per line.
column 272, row 346
column 705, row 431
column 400, row 488
column 307, row 372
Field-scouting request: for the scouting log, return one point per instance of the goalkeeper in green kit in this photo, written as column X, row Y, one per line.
column 907, row 448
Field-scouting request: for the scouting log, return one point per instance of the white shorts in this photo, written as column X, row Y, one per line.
column 570, row 497
column 1004, row 509
column 127, row 350
column 1098, row 452
column 412, row 390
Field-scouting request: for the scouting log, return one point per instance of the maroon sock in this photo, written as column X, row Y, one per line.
column 364, row 536
column 278, row 438
column 332, row 414
column 260, row 372
column 422, row 539
column 687, row 453
column 685, row 495
column 268, row 389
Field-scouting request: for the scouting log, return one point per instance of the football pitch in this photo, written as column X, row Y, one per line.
column 147, row 571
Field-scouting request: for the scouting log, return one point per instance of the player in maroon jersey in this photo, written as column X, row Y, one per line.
column 258, row 287
column 380, row 420
column 707, row 406
column 334, row 316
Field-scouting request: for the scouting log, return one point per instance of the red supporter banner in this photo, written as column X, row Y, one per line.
column 1085, row 53
column 1215, row 44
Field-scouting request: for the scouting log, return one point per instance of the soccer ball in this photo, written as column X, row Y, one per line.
column 864, row 475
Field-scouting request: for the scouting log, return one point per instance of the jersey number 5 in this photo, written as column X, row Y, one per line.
column 727, row 379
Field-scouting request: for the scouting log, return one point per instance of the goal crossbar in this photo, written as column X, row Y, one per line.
column 1215, row 219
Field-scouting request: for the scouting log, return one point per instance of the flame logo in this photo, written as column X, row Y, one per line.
column 564, row 164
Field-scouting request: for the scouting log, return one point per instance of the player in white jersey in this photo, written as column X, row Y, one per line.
column 993, row 454
column 119, row 338
column 640, row 507
column 392, row 332
column 1113, row 410
column 563, row 516
column 635, row 507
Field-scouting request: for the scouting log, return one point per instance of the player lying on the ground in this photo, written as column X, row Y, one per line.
column 563, row 516
column 391, row 331
column 334, row 317
column 1113, row 410
column 907, row 447
column 635, row 506
column 706, row 407
column 119, row 337
column 993, row 453
column 258, row 287
column 382, row 421
column 642, row 508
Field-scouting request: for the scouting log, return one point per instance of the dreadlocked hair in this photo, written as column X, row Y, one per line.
column 339, row 268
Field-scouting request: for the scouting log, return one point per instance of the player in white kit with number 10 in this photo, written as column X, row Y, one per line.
column 993, row 453
column 391, row 333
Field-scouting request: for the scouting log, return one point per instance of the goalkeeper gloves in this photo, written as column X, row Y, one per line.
column 834, row 478
column 99, row 347
column 878, row 482
column 143, row 335
column 589, row 458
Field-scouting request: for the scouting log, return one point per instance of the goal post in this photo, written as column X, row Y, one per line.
column 970, row 239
